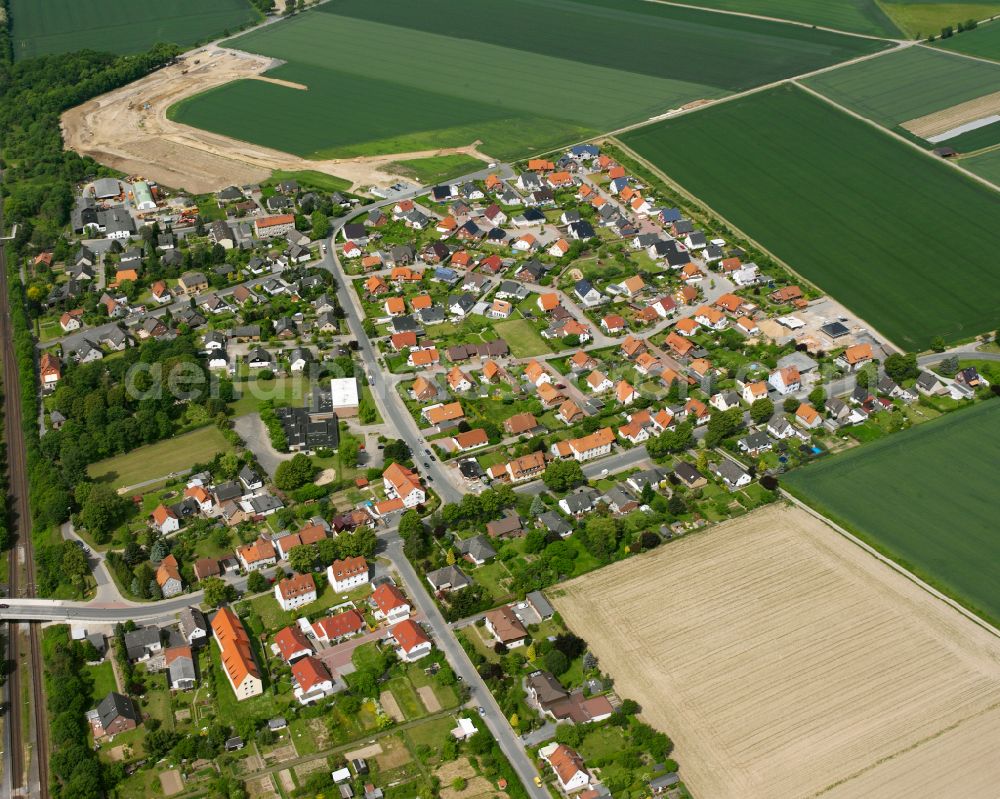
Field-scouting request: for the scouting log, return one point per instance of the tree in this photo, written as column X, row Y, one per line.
column 555, row 662
column 676, row 504
column 790, row 405
column 818, row 398
column 600, row 536
column 723, row 424
column 320, row 225
column 670, row 441
column 158, row 551
column 103, row 510
column 74, row 563
column 901, row 367
column 761, row 410
column 302, row 558
column 649, row 540
column 256, row 582
column 396, row 451
column 349, row 450
column 295, row 473
column 537, row 507
column 867, row 377
column 217, row 592
column 562, row 475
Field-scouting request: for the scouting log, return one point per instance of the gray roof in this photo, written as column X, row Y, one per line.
column 137, row 641
column 265, row 503
column 540, row 604
column 114, row 706
column 192, row 619
column 181, row 668
column 479, row 547
column 450, row 576
column 799, row 360
column 107, row 187
column 729, row 471
column 581, row 500
column 757, row 440
column 654, row 475
column 554, row 522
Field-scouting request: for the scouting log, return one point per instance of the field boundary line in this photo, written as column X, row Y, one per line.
column 674, row 113
column 809, row 25
column 913, row 145
column 978, row 620
column 958, row 53
column 736, row 229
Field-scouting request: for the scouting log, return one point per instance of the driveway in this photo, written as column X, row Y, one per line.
column 254, row 433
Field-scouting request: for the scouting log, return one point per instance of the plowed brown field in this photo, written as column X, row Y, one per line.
column 787, row 663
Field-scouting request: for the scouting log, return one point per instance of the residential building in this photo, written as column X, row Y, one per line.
column 168, row 577
column 389, row 603
column 116, row 714
column 347, row 574
column 312, row 680
column 180, row 668
column 343, row 625
column 568, row 766
column 236, row 655
column 505, row 627
column 411, row 641
column 296, row 591
column 291, row 643
column 404, row 484
column 258, row 555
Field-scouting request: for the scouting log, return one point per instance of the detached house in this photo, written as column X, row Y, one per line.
column 853, row 358
column 168, row 577
column 786, row 381
column 389, row 603
column 347, row 574
column 505, row 627
column 403, row 484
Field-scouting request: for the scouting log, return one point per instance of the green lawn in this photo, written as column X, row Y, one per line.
column 103, row 676
column 161, row 458
column 902, row 86
column 858, row 16
column 311, row 179
column 251, row 393
column 983, row 42
column 522, row 338
column 844, row 204
column 437, row 168
column 925, row 497
column 407, row 698
column 120, row 26
column 675, row 55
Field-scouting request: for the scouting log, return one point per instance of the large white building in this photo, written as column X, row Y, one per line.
column 294, row 592
column 344, row 396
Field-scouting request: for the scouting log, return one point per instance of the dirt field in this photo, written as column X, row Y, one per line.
column 394, row 754
column 261, row 788
column 474, row 785
column 956, row 116
column 171, row 782
column 785, row 662
column 391, row 706
column 429, row 698
column 128, row 129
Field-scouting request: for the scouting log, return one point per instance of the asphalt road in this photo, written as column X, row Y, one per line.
column 621, row 460
column 494, row 718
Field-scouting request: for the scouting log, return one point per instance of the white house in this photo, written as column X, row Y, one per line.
column 411, row 641
column 786, row 381
column 294, row 592
column 312, row 680
column 568, row 767
column 165, row 520
column 389, row 603
column 402, row 483
column 347, row 574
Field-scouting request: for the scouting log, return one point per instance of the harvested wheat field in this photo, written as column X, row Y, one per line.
column 786, row 663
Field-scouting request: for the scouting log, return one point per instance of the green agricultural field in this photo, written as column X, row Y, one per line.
column 857, row 16
column 437, row 168
column 986, row 165
column 926, row 498
column 906, row 85
column 983, row 42
column 160, row 459
column 121, row 26
column 396, row 76
column 311, row 179
column 922, row 18
column 851, row 209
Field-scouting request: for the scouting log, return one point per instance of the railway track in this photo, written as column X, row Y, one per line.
column 26, row 661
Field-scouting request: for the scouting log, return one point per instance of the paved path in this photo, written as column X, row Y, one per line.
column 107, row 591
column 254, row 433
